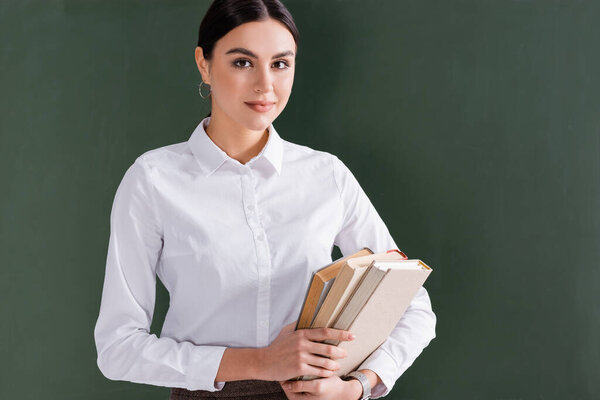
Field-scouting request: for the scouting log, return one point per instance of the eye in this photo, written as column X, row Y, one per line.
column 286, row 65
column 238, row 63
column 239, row 60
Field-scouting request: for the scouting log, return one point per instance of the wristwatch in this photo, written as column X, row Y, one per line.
column 364, row 381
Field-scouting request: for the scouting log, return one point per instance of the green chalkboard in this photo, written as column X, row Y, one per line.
column 473, row 126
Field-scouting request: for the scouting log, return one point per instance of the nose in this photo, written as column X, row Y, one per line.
column 264, row 80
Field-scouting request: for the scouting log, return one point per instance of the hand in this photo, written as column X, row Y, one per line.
column 295, row 353
column 332, row 387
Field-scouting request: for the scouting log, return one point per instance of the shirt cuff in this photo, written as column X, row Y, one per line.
column 203, row 368
column 383, row 365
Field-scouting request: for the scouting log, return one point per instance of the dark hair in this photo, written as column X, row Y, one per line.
column 224, row 15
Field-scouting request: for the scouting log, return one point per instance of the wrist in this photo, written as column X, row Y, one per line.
column 373, row 378
column 363, row 381
column 239, row 364
column 257, row 369
column 354, row 389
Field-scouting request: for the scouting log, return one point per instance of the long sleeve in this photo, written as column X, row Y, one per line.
column 362, row 226
column 126, row 350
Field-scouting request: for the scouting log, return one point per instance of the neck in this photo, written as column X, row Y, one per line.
column 238, row 142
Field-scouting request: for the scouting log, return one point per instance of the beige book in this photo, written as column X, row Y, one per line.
column 393, row 285
column 320, row 284
column 345, row 282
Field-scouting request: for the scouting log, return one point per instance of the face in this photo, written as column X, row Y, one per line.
column 253, row 62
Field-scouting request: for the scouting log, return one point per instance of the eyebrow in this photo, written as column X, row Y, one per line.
column 251, row 54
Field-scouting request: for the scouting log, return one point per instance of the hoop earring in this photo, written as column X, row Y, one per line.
column 200, row 90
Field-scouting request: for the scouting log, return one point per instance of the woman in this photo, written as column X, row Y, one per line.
column 234, row 221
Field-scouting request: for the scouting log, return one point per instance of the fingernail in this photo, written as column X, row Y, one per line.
column 352, row 336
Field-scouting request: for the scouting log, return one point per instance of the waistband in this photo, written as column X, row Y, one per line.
column 249, row 387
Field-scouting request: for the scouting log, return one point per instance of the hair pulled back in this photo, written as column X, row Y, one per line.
column 224, row 15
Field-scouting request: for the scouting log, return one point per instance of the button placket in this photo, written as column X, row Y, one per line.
column 262, row 256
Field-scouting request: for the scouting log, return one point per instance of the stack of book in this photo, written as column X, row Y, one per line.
column 365, row 293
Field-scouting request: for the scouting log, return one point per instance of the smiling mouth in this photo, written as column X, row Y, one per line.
column 260, row 106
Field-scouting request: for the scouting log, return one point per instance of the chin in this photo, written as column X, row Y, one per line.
column 258, row 122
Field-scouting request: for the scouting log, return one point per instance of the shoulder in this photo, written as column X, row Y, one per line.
column 301, row 154
column 168, row 157
column 317, row 163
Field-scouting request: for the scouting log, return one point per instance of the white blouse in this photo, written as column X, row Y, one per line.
column 235, row 245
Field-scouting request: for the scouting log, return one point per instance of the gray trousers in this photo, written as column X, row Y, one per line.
column 251, row 389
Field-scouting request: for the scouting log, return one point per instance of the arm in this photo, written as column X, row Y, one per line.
column 240, row 364
column 126, row 350
column 362, row 226
column 355, row 386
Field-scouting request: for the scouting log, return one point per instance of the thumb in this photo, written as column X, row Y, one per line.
column 290, row 327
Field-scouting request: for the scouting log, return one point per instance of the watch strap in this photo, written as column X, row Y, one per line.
column 364, row 381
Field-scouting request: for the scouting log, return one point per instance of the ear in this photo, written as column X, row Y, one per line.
column 203, row 65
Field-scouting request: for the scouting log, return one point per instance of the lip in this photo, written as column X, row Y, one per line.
column 260, row 106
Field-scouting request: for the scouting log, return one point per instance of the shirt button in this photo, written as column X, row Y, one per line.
column 263, row 323
column 250, row 207
column 260, row 236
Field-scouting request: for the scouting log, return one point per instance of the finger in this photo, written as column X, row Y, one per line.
column 323, row 362
column 312, row 370
column 294, row 386
column 289, row 395
column 320, row 334
column 327, row 350
column 288, row 392
column 304, row 388
column 290, row 327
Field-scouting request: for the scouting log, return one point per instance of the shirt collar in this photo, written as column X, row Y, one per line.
column 211, row 157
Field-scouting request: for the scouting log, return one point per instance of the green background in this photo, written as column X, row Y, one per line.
column 472, row 125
